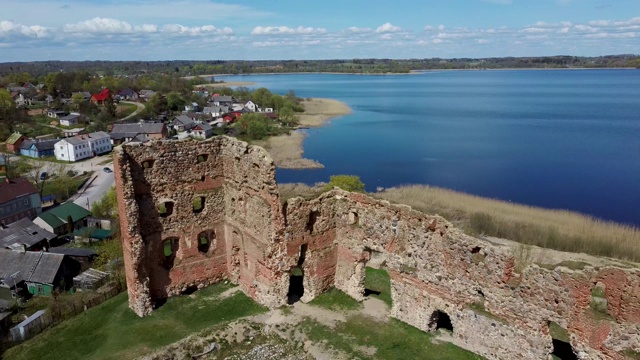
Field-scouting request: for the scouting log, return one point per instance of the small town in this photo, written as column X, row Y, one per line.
column 58, row 221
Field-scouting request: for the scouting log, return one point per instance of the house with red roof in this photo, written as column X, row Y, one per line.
column 100, row 97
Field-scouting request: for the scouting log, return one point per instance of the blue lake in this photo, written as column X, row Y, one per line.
column 562, row 139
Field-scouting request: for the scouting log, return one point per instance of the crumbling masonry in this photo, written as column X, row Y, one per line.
column 197, row 212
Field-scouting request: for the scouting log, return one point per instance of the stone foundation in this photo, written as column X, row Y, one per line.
column 243, row 232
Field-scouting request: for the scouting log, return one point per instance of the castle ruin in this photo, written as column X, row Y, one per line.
column 197, row 212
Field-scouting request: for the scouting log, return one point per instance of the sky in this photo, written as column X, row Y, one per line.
column 34, row 30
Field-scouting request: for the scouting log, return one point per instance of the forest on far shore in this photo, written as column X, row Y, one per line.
column 357, row 66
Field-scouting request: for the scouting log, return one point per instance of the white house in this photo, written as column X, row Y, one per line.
column 82, row 146
column 251, row 106
column 202, row 131
column 72, row 149
column 69, row 120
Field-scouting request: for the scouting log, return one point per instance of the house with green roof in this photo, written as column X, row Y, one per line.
column 63, row 219
column 14, row 141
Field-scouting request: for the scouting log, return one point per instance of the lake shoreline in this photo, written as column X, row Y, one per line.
column 287, row 150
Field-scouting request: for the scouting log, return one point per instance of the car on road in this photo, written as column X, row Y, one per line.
column 107, row 170
column 43, row 175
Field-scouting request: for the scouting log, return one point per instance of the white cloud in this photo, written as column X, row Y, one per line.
column 100, row 26
column 388, row 28
column 195, row 30
column 357, row 30
column 285, row 30
column 440, row 27
column 8, row 28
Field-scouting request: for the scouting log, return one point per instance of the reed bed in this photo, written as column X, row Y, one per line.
column 555, row 229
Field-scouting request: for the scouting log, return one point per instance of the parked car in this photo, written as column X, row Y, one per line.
column 107, row 170
column 43, row 175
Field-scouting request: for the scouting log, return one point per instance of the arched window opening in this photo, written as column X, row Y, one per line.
column 440, row 320
column 313, row 218
column 165, row 208
column 205, row 240
column 198, row 204
column 353, row 218
column 170, row 247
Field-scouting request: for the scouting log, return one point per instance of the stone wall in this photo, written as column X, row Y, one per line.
column 437, row 272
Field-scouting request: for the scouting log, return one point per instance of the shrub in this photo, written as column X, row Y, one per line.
column 345, row 182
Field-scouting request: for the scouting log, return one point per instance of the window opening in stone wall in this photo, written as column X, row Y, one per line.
column 169, row 249
column 198, row 204
column 189, row 290
column 202, row 158
column 296, row 278
column 562, row 348
column 205, row 240
column 440, row 320
column 313, row 218
column 147, row 164
column 353, row 218
column 165, row 208
column 377, row 284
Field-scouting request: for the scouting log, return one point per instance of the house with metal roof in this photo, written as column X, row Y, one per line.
column 38, row 149
column 83, row 146
column 37, row 273
column 14, row 141
column 140, row 132
column 182, row 123
column 18, row 199
column 69, row 120
column 25, row 235
column 56, row 220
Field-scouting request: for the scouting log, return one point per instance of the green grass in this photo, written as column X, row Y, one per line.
column 378, row 280
column 631, row 354
column 335, row 299
column 125, row 109
column 558, row 332
column 393, row 340
column 112, row 331
column 55, row 188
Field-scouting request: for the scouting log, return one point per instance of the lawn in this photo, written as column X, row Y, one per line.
column 112, row 331
column 377, row 280
column 336, row 300
column 392, row 339
column 125, row 109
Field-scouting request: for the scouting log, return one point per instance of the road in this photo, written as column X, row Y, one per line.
column 139, row 106
column 101, row 181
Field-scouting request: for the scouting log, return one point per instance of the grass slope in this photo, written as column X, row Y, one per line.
column 392, row 339
column 112, row 331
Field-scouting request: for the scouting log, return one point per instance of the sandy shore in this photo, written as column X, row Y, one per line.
column 286, row 150
column 227, row 84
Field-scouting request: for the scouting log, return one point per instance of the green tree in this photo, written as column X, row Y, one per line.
column 175, row 101
column 107, row 206
column 288, row 117
column 255, row 125
column 77, row 99
column 262, row 97
column 345, row 182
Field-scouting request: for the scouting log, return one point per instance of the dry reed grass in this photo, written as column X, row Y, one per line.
column 556, row 229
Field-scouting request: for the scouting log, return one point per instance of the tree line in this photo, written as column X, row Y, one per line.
column 18, row 72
